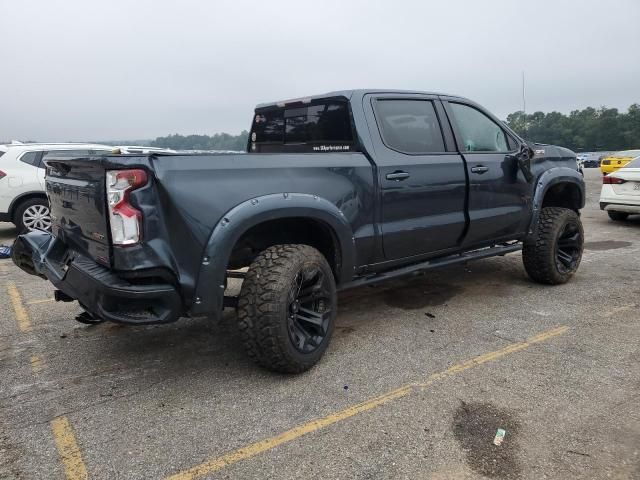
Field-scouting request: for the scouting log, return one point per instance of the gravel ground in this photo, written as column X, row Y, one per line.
column 149, row 402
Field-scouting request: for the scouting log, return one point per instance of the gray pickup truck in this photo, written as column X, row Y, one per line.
column 335, row 191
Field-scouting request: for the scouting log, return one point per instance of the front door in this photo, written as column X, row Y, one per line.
column 422, row 180
column 499, row 195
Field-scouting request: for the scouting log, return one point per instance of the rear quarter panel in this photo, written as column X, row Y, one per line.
column 194, row 192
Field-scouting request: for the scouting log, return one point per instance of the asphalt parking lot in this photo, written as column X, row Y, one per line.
column 419, row 376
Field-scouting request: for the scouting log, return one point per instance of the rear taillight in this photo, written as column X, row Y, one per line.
column 2, row 174
column 609, row 180
column 124, row 219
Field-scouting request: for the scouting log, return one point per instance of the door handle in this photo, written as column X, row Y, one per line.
column 479, row 169
column 398, row 175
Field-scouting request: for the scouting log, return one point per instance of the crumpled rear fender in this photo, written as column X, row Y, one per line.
column 210, row 285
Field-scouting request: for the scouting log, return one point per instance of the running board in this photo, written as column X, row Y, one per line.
column 433, row 263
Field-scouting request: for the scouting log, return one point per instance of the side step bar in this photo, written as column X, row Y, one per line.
column 498, row 250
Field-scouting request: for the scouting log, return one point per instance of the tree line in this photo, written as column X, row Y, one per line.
column 581, row 130
column 218, row 141
column 585, row 130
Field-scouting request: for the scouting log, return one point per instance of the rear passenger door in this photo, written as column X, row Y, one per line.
column 499, row 195
column 421, row 175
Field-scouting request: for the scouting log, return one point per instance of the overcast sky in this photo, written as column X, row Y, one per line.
column 110, row 69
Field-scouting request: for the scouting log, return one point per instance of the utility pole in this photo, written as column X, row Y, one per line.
column 524, row 101
column 524, row 105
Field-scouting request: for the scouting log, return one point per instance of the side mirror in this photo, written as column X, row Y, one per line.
column 524, row 158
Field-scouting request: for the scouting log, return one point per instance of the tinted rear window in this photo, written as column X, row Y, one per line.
column 322, row 127
column 31, row 158
column 268, row 127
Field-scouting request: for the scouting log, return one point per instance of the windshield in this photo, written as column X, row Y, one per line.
column 627, row 153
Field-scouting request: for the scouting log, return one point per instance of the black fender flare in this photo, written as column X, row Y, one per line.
column 547, row 180
column 210, row 282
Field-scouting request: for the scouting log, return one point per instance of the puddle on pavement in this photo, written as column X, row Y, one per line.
column 417, row 295
column 474, row 427
column 606, row 245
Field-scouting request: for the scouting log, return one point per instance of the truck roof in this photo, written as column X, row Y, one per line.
column 347, row 95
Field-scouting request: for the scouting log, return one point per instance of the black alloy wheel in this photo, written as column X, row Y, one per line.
column 309, row 310
column 569, row 248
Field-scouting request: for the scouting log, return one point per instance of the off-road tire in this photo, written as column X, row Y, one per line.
column 617, row 216
column 263, row 307
column 539, row 253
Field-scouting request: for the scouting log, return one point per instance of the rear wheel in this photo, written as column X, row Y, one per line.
column 553, row 254
column 617, row 216
column 33, row 214
column 287, row 308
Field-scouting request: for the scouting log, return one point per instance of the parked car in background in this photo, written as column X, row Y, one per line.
column 581, row 158
column 620, row 195
column 23, row 200
column 617, row 160
column 591, row 163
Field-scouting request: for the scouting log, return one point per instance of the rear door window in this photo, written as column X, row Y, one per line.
column 31, row 158
column 323, row 127
column 409, row 126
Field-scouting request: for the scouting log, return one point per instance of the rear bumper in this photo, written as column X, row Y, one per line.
column 620, row 207
column 98, row 290
column 5, row 217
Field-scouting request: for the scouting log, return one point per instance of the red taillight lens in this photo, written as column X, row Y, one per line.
column 609, row 180
column 2, row 174
column 124, row 219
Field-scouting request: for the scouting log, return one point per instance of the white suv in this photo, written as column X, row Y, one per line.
column 23, row 200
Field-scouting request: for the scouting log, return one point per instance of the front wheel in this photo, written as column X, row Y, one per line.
column 287, row 308
column 552, row 255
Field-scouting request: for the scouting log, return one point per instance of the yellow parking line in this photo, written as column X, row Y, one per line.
column 488, row 357
column 254, row 449
column 621, row 309
column 269, row 443
column 36, row 364
column 44, row 300
column 74, row 467
column 22, row 316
